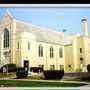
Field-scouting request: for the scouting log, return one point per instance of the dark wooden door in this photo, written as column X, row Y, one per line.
column 26, row 64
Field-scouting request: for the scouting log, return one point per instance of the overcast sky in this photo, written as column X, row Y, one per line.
column 53, row 18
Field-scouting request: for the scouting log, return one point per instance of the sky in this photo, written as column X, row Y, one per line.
column 58, row 19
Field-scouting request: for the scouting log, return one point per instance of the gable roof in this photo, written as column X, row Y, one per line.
column 43, row 34
column 6, row 16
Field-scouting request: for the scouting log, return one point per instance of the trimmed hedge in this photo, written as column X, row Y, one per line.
column 36, row 69
column 88, row 67
column 56, row 74
column 11, row 67
column 21, row 74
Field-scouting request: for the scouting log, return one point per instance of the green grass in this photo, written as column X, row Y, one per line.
column 20, row 83
column 10, row 74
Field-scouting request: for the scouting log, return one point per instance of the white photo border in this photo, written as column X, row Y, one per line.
column 42, row 6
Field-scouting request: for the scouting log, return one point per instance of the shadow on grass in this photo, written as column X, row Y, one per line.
column 85, row 79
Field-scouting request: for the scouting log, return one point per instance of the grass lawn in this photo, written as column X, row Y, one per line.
column 10, row 74
column 20, row 83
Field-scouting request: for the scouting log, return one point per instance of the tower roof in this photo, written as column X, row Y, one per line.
column 84, row 20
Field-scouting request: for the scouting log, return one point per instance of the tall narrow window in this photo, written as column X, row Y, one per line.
column 61, row 67
column 17, row 45
column 40, row 50
column 69, row 66
column 80, row 50
column 6, row 38
column 60, row 53
column 52, row 67
column 51, row 52
column 28, row 45
column 42, row 66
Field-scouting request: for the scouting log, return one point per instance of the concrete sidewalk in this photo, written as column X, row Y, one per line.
column 85, row 87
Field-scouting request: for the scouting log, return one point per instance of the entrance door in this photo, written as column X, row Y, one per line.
column 26, row 64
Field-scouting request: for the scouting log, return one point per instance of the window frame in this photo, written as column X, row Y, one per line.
column 52, row 67
column 51, row 52
column 6, row 38
column 61, row 67
column 60, row 52
column 80, row 50
column 81, row 60
column 28, row 45
column 40, row 50
column 69, row 66
column 41, row 66
column 18, row 45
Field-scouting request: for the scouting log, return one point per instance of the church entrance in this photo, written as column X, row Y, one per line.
column 26, row 65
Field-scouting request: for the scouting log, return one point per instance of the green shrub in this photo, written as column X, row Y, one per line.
column 56, row 74
column 21, row 74
column 88, row 67
column 36, row 69
column 11, row 67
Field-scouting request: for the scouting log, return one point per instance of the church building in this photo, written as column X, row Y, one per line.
column 28, row 45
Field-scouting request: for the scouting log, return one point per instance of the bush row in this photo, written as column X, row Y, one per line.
column 56, row 74
column 13, row 68
column 21, row 73
column 48, row 74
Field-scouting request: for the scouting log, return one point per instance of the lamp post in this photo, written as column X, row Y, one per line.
column 6, row 54
column 7, row 67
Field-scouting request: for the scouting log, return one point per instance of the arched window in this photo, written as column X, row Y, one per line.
column 6, row 38
column 40, row 50
column 51, row 52
column 60, row 53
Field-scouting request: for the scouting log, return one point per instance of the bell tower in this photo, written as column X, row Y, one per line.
column 84, row 27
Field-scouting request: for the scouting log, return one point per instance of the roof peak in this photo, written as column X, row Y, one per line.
column 6, row 16
column 6, row 11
